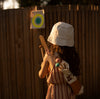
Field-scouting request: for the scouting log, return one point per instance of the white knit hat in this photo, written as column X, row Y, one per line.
column 62, row 34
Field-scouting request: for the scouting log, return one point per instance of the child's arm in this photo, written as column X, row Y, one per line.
column 73, row 82
column 44, row 67
column 45, row 64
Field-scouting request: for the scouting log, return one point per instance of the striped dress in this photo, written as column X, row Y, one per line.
column 57, row 86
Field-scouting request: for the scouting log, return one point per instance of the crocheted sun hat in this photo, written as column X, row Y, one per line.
column 62, row 34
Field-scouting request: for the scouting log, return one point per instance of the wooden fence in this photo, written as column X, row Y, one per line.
column 20, row 57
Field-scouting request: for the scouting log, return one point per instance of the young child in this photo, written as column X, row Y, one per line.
column 60, row 58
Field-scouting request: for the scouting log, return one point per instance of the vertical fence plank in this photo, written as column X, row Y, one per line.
column 71, row 17
column 1, row 57
column 87, row 53
column 47, row 22
column 90, row 50
column 27, row 59
column 54, row 15
column 59, row 14
column 63, row 13
column 8, row 53
column 93, row 51
column 67, row 15
column 4, row 65
column 87, row 50
column 20, row 55
column 12, row 71
column 76, row 29
column 97, row 52
column 50, row 18
column 80, row 40
column 83, row 50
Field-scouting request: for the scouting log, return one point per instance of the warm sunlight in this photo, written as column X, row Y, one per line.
column 10, row 4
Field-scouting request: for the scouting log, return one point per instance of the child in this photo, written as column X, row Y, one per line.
column 60, row 57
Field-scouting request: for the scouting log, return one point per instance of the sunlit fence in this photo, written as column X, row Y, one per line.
column 20, row 57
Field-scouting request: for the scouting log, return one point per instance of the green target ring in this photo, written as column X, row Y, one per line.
column 38, row 20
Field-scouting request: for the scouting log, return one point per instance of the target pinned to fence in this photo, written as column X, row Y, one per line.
column 37, row 19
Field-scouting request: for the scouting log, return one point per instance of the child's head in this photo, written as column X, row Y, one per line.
column 62, row 34
column 61, row 40
column 61, row 37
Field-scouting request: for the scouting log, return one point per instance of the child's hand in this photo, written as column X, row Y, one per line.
column 47, row 52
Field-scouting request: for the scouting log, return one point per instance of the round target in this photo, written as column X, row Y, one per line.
column 38, row 20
